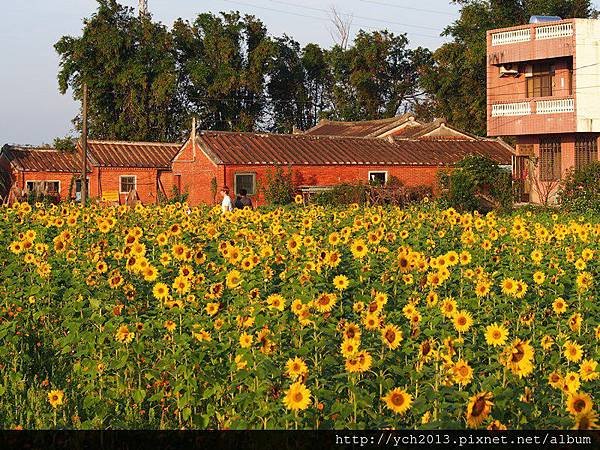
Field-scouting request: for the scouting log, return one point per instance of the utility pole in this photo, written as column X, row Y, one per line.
column 143, row 8
column 84, row 145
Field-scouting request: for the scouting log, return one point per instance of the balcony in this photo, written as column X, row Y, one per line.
column 530, row 32
column 528, row 107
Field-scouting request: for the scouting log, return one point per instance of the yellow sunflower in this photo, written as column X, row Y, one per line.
column 341, row 282
column 478, row 409
column 496, row 334
column 579, row 403
column 559, row 305
column 349, row 347
column 297, row 397
column 462, row 372
column 462, row 321
column 391, row 336
column 572, row 351
column 160, row 291
column 56, row 397
column 296, row 368
column 398, row 400
column 586, row 421
column 587, row 370
column 123, row 335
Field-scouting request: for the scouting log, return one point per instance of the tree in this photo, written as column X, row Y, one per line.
column 377, row 77
column 128, row 64
column 222, row 62
column 456, row 80
column 298, row 86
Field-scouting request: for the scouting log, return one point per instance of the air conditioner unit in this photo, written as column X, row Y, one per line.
column 509, row 70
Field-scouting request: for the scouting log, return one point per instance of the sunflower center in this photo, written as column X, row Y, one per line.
column 579, row 405
column 462, row 320
column 397, row 399
column 478, row 407
column 390, row 336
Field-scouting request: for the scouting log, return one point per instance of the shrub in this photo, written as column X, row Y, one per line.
column 343, row 194
column 477, row 183
column 580, row 189
column 279, row 187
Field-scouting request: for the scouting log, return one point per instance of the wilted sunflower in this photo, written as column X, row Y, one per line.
column 586, row 421
column 123, row 335
column 478, row 409
column 518, row 357
column 297, row 397
column 398, row 400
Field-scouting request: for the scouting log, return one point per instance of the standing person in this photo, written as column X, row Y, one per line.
column 243, row 201
column 226, row 203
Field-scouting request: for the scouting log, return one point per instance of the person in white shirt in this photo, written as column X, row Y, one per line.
column 226, row 204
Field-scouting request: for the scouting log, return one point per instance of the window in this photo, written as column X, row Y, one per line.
column 44, row 187
column 128, row 183
column 539, row 84
column 379, row 178
column 245, row 181
column 550, row 156
column 586, row 150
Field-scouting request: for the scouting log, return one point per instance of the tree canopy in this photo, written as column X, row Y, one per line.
column 146, row 81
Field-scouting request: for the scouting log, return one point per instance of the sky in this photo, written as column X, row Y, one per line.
column 32, row 111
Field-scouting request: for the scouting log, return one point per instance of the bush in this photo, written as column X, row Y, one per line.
column 343, row 194
column 477, row 183
column 579, row 191
column 279, row 187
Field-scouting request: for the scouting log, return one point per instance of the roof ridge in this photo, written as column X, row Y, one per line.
column 101, row 141
column 288, row 136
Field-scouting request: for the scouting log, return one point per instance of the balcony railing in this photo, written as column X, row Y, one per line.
column 511, row 37
column 554, row 31
column 525, row 34
column 511, row 109
column 549, row 106
column 565, row 105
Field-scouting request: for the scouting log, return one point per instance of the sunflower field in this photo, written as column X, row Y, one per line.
column 299, row 317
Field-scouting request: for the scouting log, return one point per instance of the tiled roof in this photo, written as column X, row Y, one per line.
column 132, row 154
column 267, row 149
column 365, row 128
column 34, row 159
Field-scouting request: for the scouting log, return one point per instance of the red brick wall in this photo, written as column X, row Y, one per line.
column 332, row 175
column 21, row 179
column 196, row 171
column 107, row 179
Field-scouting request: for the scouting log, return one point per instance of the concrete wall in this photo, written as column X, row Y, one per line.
column 587, row 74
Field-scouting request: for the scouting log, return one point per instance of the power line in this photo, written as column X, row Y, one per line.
column 409, row 7
column 352, row 15
column 315, row 17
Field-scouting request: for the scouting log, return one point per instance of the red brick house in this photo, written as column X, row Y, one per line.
column 119, row 167
column 541, row 88
column 42, row 170
column 114, row 169
column 409, row 151
column 242, row 160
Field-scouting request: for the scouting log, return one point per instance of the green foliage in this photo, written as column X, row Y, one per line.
column 67, row 143
column 456, row 81
column 343, row 194
column 580, row 189
column 376, row 77
column 279, row 186
column 130, row 68
column 477, row 183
